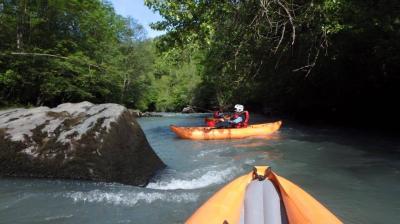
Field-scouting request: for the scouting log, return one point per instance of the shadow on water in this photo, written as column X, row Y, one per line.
column 368, row 141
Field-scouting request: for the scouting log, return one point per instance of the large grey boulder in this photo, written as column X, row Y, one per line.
column 76, row 141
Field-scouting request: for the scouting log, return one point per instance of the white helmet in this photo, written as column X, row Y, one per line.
column 239, row 108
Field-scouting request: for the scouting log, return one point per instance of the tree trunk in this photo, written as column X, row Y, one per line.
column 22, row 11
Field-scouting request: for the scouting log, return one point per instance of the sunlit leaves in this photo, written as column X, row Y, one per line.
column 76, row 50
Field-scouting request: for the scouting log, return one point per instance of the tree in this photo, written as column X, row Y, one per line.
column 58, row 51
column 324, row 58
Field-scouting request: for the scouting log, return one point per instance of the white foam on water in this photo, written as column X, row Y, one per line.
column 209, row 178
column 249, row 161
column 212, row 152
column 127, row 198
column 53, row 218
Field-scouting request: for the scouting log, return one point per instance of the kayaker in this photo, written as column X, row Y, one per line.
column 218, row 113
column 239, row 118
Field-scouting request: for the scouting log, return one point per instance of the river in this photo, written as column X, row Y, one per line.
column 355, row 174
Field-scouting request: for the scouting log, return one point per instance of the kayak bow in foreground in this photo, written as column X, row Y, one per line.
column 262, row 199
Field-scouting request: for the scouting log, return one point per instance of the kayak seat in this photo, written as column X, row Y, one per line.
column 263, row 204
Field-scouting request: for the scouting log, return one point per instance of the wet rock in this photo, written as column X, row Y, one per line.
column 188, row 109
column 150, row 114
column 138, row 113
column 135, row 113
column 76, row 141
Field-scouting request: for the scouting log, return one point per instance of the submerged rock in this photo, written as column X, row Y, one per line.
column 76, row 141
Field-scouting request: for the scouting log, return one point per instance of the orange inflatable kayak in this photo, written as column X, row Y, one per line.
column 262, row 197
column 209, row 133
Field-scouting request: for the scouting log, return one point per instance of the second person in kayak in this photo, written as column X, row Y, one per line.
column 239, row 119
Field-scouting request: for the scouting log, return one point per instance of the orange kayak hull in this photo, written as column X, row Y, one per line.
column 226, row 204
column 209, row 133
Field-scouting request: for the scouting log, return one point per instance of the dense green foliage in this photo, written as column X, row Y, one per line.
column 327, row 58
column 175, row 78
column 69, row 51
column 313, row 58
column 57, row 51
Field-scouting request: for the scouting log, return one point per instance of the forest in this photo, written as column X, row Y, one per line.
column 333, row 60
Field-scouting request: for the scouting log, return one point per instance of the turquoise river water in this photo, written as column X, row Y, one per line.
column 356, row 175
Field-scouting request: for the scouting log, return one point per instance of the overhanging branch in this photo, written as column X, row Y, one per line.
column 55, row 56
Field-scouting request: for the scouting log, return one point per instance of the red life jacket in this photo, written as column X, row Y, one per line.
column 209, row 122
column 216, row 114
column 245, row 122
